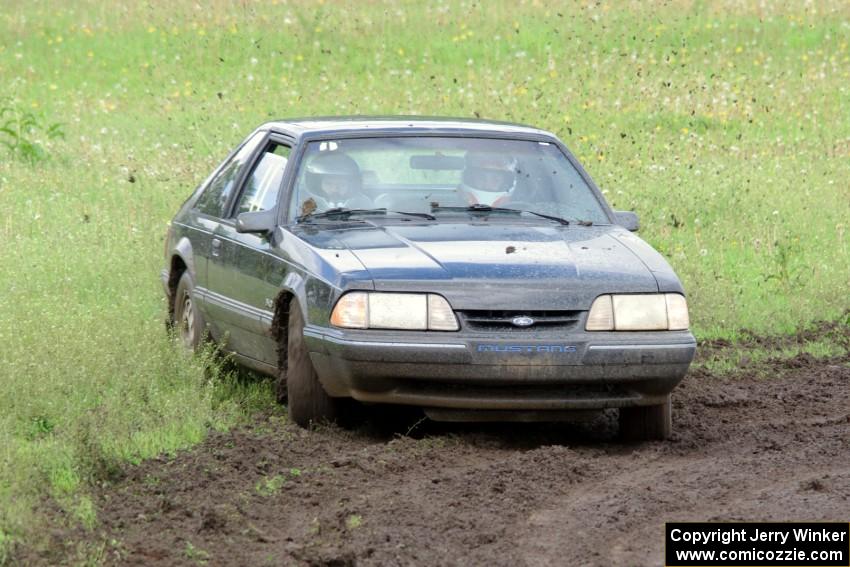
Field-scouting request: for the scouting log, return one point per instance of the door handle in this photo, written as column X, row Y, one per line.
column 216, row 247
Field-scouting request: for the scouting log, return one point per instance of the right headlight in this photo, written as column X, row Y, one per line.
column 639, row 312
column 407, row 311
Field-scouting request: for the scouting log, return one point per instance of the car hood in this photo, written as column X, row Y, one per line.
column 494, row 265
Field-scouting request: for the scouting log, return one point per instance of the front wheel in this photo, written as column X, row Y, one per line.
column 188, row 319
column 646, row 423
column 307, row 400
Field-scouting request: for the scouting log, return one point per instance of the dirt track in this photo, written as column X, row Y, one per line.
column 747, row 448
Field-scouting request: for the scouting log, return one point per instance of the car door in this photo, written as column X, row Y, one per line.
column 209, row 208
column 246, row 275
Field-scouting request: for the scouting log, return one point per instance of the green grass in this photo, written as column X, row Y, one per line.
column 269, row 485
column 195, row 554
column 726, row 127
column 354, row 521
column 756, row 359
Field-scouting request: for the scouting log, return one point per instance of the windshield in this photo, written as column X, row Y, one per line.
column 436, row 175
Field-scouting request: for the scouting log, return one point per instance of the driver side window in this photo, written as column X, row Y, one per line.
column 217, row 194
column 263, row 185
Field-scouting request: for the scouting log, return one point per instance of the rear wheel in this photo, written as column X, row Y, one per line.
column 188, row 320
column 307, row 400
column 646, row 423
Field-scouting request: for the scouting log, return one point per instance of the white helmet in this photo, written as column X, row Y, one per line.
column 487, row 177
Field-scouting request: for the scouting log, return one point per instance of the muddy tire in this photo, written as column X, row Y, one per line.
column 189, row 323
column 280, row 393
column 307, row 400
column 646, row 423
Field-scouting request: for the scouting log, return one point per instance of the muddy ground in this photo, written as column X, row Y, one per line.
column 772, row 444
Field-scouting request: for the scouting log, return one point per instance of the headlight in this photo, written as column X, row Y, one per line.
column 408, row 311
column 644, row 312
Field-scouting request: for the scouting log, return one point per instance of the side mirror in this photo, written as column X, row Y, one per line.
column 259, row 222
column 627, row 219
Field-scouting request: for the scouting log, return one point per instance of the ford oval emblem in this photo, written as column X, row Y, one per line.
column 522, row 321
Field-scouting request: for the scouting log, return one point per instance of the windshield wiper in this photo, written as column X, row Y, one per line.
column 488, row 209
column 344, row 212
column 420, row 215
column 338, row 212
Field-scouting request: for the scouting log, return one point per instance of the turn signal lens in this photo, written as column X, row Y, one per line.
column 352, row 311
column 677, row 312
column 440, row 314
column 601, row 316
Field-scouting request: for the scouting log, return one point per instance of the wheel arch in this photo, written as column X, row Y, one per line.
column 292, row 294
column 180, row 262
column 291, row 289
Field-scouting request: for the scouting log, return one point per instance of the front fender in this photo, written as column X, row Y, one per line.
column 313, row 296
column 183, row 250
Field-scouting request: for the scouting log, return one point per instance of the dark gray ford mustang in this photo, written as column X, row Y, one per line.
column 470, row 268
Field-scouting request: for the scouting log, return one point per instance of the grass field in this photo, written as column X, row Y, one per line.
column 725, row 125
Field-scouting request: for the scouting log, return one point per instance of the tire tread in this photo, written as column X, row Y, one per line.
column 646, row 423
column 308, row 403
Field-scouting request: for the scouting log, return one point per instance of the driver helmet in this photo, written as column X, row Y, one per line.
column 488, row 177
column 334, row 176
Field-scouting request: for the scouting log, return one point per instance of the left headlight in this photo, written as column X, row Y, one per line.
column 406, row 311
column 643, row 312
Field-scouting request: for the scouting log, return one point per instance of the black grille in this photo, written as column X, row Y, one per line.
column 490, row 320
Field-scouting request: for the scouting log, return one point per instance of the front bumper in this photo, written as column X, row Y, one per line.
column 584, row 371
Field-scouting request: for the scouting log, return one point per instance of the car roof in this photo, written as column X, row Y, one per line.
column 346, row 125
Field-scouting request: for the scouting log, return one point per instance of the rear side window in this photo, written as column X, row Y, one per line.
column 263, row 185
column 215, row 197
